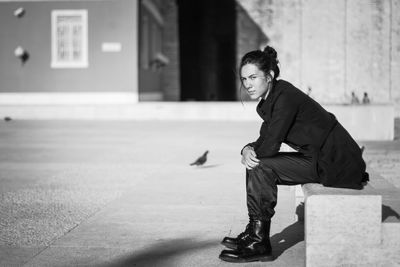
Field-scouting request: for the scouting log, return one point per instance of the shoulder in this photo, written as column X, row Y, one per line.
column 288, row 92
column 286, row 87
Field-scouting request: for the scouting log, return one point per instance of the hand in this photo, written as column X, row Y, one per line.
column 249, row 158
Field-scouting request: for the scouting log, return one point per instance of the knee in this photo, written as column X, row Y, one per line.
column 264, row 165
column 261, row 171
column 257, row 171
column 253, row 170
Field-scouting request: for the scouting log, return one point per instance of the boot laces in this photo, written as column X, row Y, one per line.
column 245, row 233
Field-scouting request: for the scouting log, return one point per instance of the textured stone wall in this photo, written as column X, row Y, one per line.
column 335, row 47
column 249, row 37
column 395, row 55
column 280, row 22
column 368, row 48
column 323, row 49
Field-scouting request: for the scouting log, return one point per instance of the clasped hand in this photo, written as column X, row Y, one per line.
column 249, row 158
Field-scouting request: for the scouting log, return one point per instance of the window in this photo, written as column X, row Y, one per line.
column 69, row 39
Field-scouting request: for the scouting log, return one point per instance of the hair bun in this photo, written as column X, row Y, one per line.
column 270, row 52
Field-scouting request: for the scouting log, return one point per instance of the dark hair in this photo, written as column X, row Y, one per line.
column 265, row 60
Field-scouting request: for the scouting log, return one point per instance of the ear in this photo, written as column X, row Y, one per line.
column 272, row 74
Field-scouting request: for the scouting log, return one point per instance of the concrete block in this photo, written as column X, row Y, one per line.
column 343, row 219
column 390, row 248
column 342, row 226
column 391, row 234
column 386, row 253
column 334, row 255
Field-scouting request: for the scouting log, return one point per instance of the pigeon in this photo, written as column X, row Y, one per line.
column 201, row 160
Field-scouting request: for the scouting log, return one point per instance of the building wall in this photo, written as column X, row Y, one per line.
column 368, row 48
column 249, row 37
column 395, row 54
column 323, row 49
column 335, row 47
column 108, row 21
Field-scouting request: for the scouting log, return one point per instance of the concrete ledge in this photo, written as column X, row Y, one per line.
column 350, row 227
column 364, row 122
column 336, row 223
column 343, row 219
column 232, row 111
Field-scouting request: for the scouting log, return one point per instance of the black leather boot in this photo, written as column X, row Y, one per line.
column 254, row 247
column 232, row 242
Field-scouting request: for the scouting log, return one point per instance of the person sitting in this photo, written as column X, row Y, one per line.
column 326, row 153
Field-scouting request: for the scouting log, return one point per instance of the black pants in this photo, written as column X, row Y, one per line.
column 288, row 168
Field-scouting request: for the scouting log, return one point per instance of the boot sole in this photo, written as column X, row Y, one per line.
column 250, row 259
column 230, row 246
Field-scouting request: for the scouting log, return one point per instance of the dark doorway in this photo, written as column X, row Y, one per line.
column 207, row 30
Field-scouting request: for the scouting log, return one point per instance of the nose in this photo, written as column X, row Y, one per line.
column 247, row 85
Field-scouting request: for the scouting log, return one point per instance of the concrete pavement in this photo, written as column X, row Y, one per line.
column 85, row 193
column 122, row 193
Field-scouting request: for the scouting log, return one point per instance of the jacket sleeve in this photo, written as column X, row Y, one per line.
column 260, row 139
column 283, row 115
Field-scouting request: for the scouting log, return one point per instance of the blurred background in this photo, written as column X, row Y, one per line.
column 130, row 51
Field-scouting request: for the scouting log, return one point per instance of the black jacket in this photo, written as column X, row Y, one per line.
column 292, row 117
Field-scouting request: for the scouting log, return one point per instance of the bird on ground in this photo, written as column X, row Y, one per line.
column 7, row 118
column 201, row 160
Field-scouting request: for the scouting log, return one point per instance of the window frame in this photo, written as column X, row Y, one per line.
column 55, row 62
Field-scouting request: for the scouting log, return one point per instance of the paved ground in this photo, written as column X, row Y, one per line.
column 123, row 193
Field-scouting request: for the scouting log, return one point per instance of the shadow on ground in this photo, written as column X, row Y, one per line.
column 289, row 236
column 387, row 212
column 163, row 253
column 208, row 166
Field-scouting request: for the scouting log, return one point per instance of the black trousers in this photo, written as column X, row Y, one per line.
column 286, row 168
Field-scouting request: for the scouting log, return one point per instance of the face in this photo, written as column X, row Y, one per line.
column 254, row 80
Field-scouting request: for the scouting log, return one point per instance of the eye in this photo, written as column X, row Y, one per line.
column 253, row 77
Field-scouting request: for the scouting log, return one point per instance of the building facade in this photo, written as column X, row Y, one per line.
column 66, row 51
column 127, row 51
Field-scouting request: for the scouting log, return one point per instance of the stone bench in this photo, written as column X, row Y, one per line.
column 345, row 227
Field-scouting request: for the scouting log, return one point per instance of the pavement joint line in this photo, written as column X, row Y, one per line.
column 86, row 220
column 36, row 255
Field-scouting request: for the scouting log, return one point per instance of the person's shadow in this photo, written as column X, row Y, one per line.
column 162, row 253
column 289, row 236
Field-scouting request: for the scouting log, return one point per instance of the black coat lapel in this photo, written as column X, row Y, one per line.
column 264, row 107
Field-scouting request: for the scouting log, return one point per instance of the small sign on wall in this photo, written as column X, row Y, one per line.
column 111, row 47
